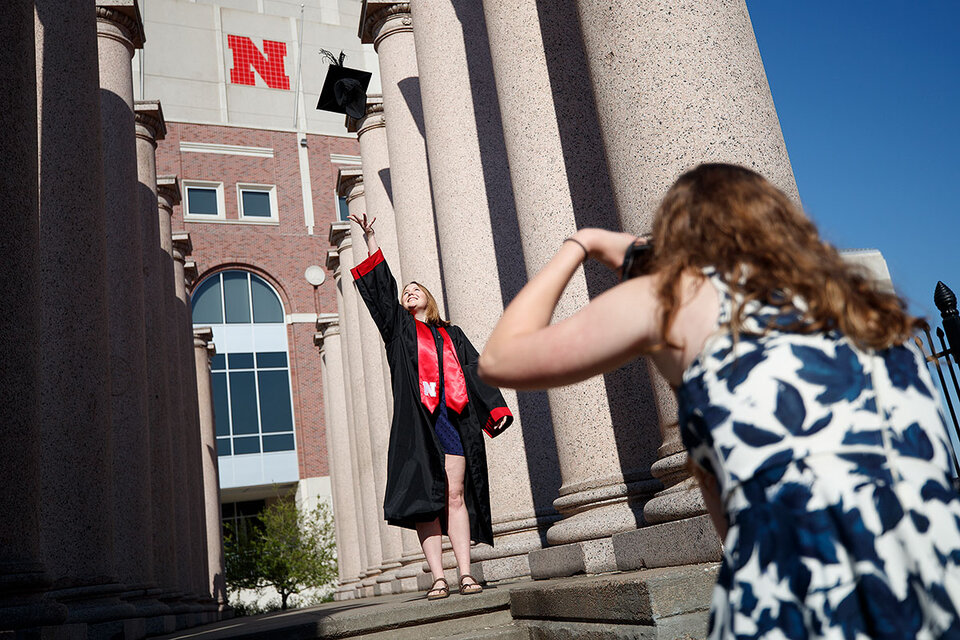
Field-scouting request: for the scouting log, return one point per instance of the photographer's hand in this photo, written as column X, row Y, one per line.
column 607, row 247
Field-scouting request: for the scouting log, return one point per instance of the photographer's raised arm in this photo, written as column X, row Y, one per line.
column 526, row 352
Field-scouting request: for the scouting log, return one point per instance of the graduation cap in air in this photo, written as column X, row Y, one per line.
column 344, row 89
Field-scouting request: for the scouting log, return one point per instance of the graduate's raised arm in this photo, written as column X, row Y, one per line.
column 376, row 284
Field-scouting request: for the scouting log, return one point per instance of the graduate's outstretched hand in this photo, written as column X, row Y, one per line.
column 365, row 226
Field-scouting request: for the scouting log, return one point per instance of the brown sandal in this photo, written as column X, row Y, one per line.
column 438, row 593
column 471, row 588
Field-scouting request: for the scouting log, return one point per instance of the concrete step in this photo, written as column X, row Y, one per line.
column 510, row 631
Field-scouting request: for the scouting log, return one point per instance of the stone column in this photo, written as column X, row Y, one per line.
column 192, row 480
column 388, row 26
column 685, row 85
column 605, row 442
column 476, row 222
column 76, row 449
column 338, row 454
column 372, row 508
column 203, row 351
column 377, row 186
column 22, row 574
column 119, row 33
column 178, row 570
column 350, row 186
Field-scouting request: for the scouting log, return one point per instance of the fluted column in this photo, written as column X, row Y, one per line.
column 76, row 526
column 605, row 442
column 476, row 222
column 22, row 574
column 338, row 454
column 388, row 26
column 333, row 265
column 203, row 351
column 192, row 481
column 350, row 186
column 372, row 507
column 177, row 570
column 686, row 85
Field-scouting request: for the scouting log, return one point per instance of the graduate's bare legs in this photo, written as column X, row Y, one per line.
column 458, row 518
column 429, row 534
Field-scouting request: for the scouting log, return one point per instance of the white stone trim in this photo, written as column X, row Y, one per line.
column 301, row 318
column 225, row 149
column 212, row 220
column 342, row 158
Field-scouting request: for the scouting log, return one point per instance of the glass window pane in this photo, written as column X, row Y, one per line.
column 278, row 443
column 243, row 403
column 206, row 302
column 218, row 362
column 267, row 360
column 250, row 508
column 223, row 446
column 266, row 305
column 342, row 210
column 275, row 410
column 236, row 296
column 246, row 445
column 256, row 204
column 221, row 415
column 240, row 360
column 202, row 201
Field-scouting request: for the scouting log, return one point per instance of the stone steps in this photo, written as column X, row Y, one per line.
column 650, row 604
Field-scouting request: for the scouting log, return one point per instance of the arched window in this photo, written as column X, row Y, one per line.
column 250, row 375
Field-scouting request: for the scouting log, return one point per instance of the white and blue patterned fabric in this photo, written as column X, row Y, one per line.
column 834, row 471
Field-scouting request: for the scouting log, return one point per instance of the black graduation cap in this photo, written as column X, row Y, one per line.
column 344, row 89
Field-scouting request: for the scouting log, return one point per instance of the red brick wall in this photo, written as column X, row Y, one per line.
column 280, row 253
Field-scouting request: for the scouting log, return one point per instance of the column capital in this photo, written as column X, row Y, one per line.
column 379, row 19
column 372, row 117
column 190, row 272
column 124, row 15
column 328, row 324
column 340, row 235
column 203, row 339
column 350, row 183
column 182, row 246
column 168, row 192
column 333, row 263
column 150, row 123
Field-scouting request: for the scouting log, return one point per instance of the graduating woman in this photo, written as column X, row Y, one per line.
column 810, row 418
column 436, row 462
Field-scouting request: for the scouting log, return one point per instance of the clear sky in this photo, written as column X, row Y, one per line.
column 868, row 95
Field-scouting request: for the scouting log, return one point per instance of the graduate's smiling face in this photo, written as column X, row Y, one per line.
column 413, row 298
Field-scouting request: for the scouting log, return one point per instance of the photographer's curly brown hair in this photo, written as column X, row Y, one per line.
column 766, row 249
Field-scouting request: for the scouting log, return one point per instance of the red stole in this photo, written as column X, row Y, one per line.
column 454, row 384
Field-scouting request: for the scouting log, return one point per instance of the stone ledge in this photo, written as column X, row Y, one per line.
column 671, row 544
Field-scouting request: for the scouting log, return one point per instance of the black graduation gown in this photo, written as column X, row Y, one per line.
column 416, row 480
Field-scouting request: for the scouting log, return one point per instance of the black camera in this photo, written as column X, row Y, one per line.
column 636, row 261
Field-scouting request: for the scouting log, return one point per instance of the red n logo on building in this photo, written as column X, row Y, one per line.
column 246, row 58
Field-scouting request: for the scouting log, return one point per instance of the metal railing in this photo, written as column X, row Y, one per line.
column 949, row 353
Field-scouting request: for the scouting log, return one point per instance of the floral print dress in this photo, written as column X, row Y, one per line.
column 833, row 466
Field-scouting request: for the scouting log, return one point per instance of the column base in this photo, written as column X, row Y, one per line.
column 587, row 556
column 94, row 603
column 22, row 603
column 671, row 544
column 601, row 511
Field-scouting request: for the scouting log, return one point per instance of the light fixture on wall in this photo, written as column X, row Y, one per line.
column 303, row 141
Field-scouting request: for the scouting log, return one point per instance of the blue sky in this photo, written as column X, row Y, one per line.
column 868, row 95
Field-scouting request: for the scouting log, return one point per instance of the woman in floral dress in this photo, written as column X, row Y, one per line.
column 809, row 416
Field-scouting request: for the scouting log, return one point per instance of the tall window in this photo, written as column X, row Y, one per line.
column 250, row 375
